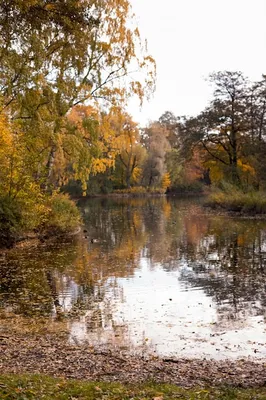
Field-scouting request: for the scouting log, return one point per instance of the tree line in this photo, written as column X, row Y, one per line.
column 224, row 143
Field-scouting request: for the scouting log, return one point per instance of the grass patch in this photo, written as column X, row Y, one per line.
column 233, row 199
column 33, row 387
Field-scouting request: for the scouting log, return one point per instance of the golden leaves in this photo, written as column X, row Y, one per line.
column 246, row 167
column 166, row 181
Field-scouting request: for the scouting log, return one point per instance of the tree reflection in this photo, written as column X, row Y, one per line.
column 28, row 280
column 81, row 279
column 227, row 260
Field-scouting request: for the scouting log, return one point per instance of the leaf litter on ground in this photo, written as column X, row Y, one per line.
column 52, row 354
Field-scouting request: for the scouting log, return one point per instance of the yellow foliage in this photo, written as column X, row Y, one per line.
column 17, row 174
column 13, row 174
column 100, row 165
column 216, row 171
column 245, row 167
column 166, row 181
column 96, row 143
column 136, row 175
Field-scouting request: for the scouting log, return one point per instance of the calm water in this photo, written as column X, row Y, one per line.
column 160, row 277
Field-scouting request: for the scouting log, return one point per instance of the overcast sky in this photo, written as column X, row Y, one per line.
column 190, row 39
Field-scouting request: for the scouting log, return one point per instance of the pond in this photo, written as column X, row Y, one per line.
column 156, row 276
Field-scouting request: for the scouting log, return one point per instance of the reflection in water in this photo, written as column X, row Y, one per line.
column 160, row 276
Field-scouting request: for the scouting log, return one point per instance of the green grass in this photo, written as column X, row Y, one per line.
column 39, row 387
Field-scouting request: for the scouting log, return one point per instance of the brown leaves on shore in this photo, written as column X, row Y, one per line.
column 53, row 355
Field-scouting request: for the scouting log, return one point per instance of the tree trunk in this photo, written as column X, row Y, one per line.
column 234, row 159
column 49, row 167
column 128, row 176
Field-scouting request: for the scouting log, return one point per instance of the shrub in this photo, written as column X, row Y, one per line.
column 189, row 187
column 10, row 221
column 63, row 215
column 52, row 215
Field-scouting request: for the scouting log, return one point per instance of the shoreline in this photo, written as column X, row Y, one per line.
column 34, row 239
column 52, row 355
column 147, row 194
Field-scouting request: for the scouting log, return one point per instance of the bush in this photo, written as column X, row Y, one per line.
column 10, row 221
column 190, row 187
column 54, row 215
column 62, row 216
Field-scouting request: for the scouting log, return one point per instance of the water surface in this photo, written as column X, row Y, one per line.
column 156, row 275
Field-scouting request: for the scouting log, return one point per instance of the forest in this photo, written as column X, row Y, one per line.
column 223, row 146
column 65, row 81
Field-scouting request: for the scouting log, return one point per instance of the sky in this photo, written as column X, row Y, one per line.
column 189, row 39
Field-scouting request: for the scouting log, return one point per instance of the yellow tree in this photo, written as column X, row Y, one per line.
column 15, row 167
column 131, row 153
column 90, row 144
column 20, row 195
column 67, row 52
column 94, row 142
column 6, row 149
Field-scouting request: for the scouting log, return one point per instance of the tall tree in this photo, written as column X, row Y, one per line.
column 172, row 123
column 255, row 150
column 222, row 128
column 58, row 54
column 131, row 152
column 155, row 138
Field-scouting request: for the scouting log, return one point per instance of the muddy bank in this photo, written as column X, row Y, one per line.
column 53, row 355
